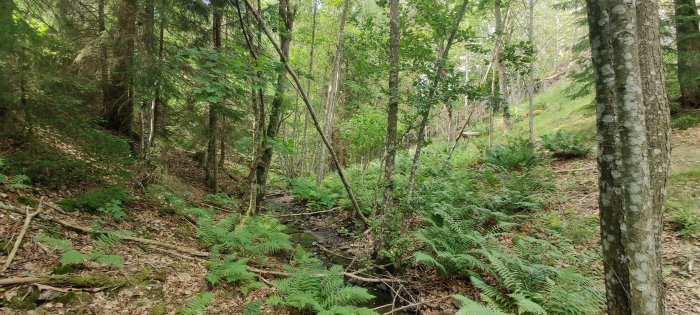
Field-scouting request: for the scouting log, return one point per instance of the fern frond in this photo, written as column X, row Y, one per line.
column 197, row 305
column 471, row 307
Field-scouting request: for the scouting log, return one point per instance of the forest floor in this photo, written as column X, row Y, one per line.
column 156, row 280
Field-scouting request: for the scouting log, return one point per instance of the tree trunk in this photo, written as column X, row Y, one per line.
column 119, row 105
column 212, row 165
column 308, row 86
column 431, row 92
column 393, row 110
column 312, row 114
column 285, row 33
column 7, row 38
column 628, row 220
column 149, row 79
column 332, row 91
column 531, row 87
column 658, row 121
column 688, row 45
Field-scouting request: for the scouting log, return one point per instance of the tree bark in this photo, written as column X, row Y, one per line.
column 119, row 105
column 211, row 179
column 308, row 86
column 628, row 220
column 658, row 121
column 332, row 90
column 286, row 14
column 393, row 109
column 7, row 38
column 688, row 46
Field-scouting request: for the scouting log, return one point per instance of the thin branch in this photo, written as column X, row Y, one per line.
column 25, row 227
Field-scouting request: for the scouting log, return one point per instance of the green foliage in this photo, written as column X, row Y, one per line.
column 566, row 144
column 113, row 209
column 685, row 122
column 94, row 199
column 247, row 236
column 14, row 181
column 231, row 270
column 223, row 199
column 71, row 256
column 197, row 304
column 316, row 199
column 516, row 155
column 323, row 291
column 686, row 219
column 170, row 203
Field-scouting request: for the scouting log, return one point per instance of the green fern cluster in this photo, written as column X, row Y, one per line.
column 247, row 236
column 15, row 181
column 315, row 288
column 197, row 305
column 229, row 269
column 71, row 256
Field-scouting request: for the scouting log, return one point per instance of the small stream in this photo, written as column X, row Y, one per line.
column 314, row 238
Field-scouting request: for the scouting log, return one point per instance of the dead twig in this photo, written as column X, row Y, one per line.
column 416, row 304
column 576, row 170
column 27, row 220
column 307, row 213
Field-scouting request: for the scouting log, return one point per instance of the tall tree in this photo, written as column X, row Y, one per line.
column 212, row 165
column 118, row 111
column 688, row 46
column 331, row 97
column 393, row 108
column 425, row 112
column 531, row 85
column 7, row 38
column 629, row 224
column 286, row 14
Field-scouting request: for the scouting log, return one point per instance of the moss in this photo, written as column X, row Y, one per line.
column 66, row 298
column 157, row 309
column 88, row 281
column 62, row 270
column 29, row 302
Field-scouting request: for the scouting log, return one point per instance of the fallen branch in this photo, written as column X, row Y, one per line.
column 416, row 304
column 576, row 170
column 23, row 280
column 25, row 227
column 186, row 250
column 85, row 229
column 307, row 213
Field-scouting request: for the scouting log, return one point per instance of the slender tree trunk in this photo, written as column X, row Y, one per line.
column 8, row 39
column 286, row 14
column 312, row 114
column 531, row 87
column 308, row 85
column 629, row 223
column 212, row 165
column 104, row 72
column 149, row 79
column 393, row 109
column 688, row 46
column 332, row 90
column 119, row 107
column 439, row 63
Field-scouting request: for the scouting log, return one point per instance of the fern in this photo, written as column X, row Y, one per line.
column 323, row 291
column 470, row 307
column 197, row 305
column 229, row 269
column 70, row 256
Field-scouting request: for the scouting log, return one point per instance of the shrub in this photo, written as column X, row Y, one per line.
column 517, row 155
column 169, row 202
column 316, row 198
column 566, row 144
column 15, row 181
column 94, row 199
column 685, row 122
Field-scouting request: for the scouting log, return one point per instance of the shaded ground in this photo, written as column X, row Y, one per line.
column 681, row 255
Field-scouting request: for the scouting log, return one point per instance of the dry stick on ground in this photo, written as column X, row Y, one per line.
column 308, row 213
column 312, row 113
column 186, row 250
column 416, row 304
column 27, row 220
column 576, row 170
